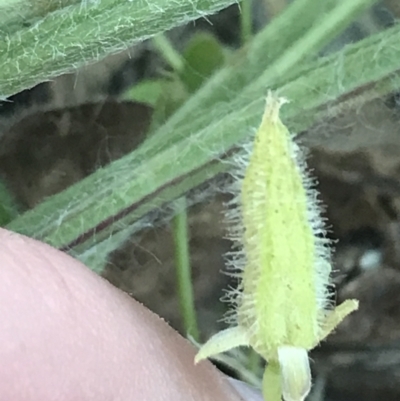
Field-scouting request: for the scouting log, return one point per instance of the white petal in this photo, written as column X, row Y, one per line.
column 295, row 373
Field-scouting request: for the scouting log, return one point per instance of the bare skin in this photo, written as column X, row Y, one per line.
column 67, row 334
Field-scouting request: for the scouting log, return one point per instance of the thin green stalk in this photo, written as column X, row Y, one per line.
column 246, row 20
column 183, row 271
column 166, row 49
column 179, row 223
column 8, row 205
column 254, row 361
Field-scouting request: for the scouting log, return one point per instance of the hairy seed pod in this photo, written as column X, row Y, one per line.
column 281, row 309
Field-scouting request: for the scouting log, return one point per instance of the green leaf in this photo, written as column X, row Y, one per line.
column 147, row 92
column 203, row 56
column 173, row 94
column 65, row 39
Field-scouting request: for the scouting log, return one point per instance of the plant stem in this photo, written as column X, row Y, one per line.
column 246, row 21
column 183, row 270
column 165, row 48
column 254, row 362
column 179, row 223
column 8, row 206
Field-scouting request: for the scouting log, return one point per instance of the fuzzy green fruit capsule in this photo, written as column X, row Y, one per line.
column 278, row 242
column 281, row 308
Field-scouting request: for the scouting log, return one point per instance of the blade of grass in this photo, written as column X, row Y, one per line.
column 145, row 180
column 166, row 49
column 8, row 205
column 160, row 202
column 179, row 224
column 97, row 256
column 74, row 35
column 246, row 20
column 183, row 270
column 318, row 36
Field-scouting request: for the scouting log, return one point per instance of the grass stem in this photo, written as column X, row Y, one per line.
column 246, row 21
column 168, row 52
column 183, row 270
